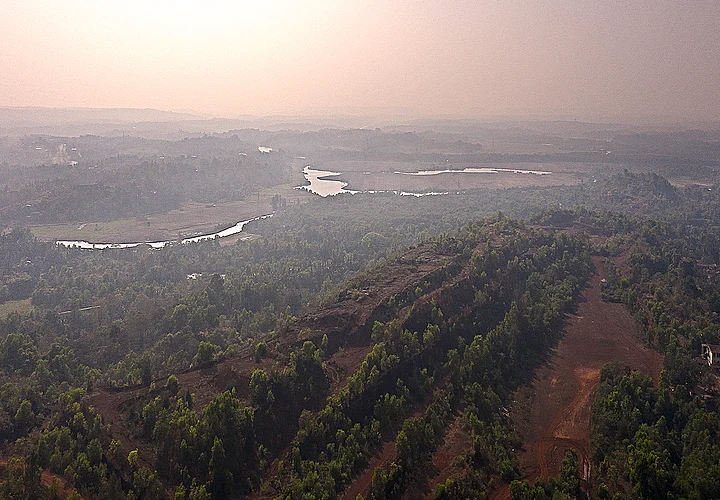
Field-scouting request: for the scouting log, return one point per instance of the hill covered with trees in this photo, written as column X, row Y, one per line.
column 365, row 345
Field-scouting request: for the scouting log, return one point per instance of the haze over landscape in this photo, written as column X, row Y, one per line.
column 359, row 250
column 556, row 58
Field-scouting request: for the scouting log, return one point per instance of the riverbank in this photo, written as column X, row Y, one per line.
column 193, row 219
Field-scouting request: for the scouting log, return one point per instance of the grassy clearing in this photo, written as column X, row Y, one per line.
column 90, row 231
column 23, row 306
column 191, row 220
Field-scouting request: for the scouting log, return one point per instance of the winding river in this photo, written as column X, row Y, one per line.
column 320, row 182
column 321, row 185
column 160, row 244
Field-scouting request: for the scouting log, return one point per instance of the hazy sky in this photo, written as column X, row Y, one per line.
column 579, row 58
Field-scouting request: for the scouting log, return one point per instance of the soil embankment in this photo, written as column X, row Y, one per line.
column 552, row 415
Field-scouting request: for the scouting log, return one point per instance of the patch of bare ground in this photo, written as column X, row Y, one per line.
column 348, row 319
column 552, row 414
column 361, row 485
column 112, row 409
column 203, row 384
column 445, row 462
column 344, row 363
column 23, row 306
column 60, row 487
column 685, row 181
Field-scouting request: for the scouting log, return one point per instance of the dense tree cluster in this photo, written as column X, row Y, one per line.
column 470, row 373
column 149, row 177
column 660, row 442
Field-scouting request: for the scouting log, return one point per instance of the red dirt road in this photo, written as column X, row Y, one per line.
column 552, row 415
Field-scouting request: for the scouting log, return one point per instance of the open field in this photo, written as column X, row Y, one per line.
column 191, row 220
column 451, row 182
column 367, row 176
column 23, row 306
column 375, row 166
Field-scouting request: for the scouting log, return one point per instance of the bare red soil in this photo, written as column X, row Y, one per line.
column 63, row 487
column 552, row 414
column 457, row 443
column 344, row 363
column 111, row 407
column 361, row 485
column 445, row 463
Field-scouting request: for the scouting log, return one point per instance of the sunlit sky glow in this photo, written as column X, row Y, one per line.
column 578, row 58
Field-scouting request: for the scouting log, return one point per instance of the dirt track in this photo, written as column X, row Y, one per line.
column 552, row 415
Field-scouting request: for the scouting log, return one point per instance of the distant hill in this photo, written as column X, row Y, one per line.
column 19, row 121
column 11, row 117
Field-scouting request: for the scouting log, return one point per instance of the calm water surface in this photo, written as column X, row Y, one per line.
column 321, row 185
